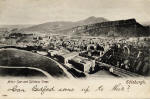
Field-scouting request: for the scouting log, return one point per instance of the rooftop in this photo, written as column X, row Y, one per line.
column 80, row 59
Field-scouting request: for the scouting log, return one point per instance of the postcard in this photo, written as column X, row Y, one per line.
column 74, row 49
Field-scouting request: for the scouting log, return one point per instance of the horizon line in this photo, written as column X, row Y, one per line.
column 73, row 21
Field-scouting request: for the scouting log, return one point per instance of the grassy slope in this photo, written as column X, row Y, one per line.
column 15, row 57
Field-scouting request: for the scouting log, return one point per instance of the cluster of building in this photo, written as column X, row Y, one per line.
column 93, row 49
column 82, row 52
column 73, row 60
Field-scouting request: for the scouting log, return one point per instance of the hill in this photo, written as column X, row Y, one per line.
column 55, row 27
column 19, row 58
column 127, row 28
column 19, row 26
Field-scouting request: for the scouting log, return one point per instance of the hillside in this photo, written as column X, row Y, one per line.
column 128, row 27
column 55, row 27
column 20, row 58
column 19, row 26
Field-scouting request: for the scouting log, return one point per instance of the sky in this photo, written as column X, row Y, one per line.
column 40, row 11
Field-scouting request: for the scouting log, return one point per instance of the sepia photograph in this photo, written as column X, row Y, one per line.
column 81, row 40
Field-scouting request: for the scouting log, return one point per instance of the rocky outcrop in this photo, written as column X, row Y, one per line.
column 125, row 28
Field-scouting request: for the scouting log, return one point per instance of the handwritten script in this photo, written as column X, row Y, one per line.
column 44, row 86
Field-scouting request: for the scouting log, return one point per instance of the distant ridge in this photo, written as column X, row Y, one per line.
column 18, row 26
column 118, row 28
column 91, row 26
column 55, row 27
